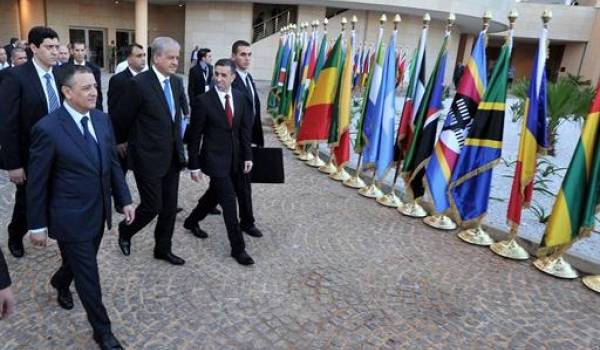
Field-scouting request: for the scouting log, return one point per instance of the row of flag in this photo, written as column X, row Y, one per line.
column 449, row 159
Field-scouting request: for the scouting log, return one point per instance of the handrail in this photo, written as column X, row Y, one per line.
column 271, row 25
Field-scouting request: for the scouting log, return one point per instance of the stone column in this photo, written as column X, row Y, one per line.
column 141, row 23
column 31, row 13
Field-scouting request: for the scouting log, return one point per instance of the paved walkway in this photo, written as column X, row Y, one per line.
column 334, row 271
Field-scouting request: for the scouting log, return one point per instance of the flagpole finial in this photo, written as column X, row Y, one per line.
column 317, row 22
column 487, row 17
column 344, row 22
column 450, row 21
column 546, row 17
column 354, row 21
column 512, row 18
column 397, row 20
column 426, row 19
column 382, row 19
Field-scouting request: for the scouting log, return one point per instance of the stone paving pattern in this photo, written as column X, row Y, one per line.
column 334, row 271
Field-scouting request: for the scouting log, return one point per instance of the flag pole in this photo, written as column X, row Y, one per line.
column 510, row 248
column 391, row 199
column 413, row 208
column 438, row 220
column 291, row 140
column 355, row 181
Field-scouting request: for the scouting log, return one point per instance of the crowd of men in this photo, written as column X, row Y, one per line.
column 67, row 158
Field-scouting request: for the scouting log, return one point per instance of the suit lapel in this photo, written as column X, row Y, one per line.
column 159, row 90
column 220, row 109
column 75, row 134
column 242, row 87
column 37, row 84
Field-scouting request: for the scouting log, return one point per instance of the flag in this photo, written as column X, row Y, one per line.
column 308, row 61
column 343, row 111
column 273, row 100
column 533, row 137
column 472, row 176
column 450, row 142
column 285, row 75
column 401, row 68
column 425, row 125
column 366, row 68
column 282, row 75
column 412, row 101
column 319, row 109
column 369, row 95
column 574, row 211
column 371, row 123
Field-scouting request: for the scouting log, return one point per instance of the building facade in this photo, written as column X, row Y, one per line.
column 574, row 30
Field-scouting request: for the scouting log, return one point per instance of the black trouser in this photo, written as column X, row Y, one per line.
column 158, row 196
column 17, row 228
column 245, row 202
column 223, row 191
column 79, row 263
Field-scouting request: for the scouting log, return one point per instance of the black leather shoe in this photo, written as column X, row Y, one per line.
column 169, row 257
column 253, row 231
column 124, row 241
column 107, row 341
column 243, row 258
column 215, row 211
column 64, row 296
column 195, row 229
column 16, row 248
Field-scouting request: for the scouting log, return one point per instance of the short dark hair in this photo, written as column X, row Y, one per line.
column 130, row 48
column 77, row 42
column 37, row 35
column 226, row 62
column 237, row 44
column 66, row 74
column 13, row 40
column 202, row 53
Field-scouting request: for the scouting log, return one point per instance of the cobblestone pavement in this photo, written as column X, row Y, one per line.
column 334, row 271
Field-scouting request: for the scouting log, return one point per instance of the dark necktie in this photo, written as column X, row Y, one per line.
column 90, row 142
column 228, row 111
column 251, row 90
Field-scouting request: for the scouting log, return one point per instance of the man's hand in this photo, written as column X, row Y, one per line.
column 39, row 239
column 7, row 303
column 122, row 149
column 247, row 166
column 17, row 176
column 129, row 213
column 196, row 175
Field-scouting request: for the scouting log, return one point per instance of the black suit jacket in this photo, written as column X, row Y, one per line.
column 68, row 192
column 8, row 49
column 97, row 75
column 196, row 82
column 257, row 131
column 224, row 147
column 154, row 139
column 22, row 104
column 116, row 86
column 4, row 275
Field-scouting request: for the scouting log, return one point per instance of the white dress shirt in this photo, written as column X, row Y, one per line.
column 41, row 72
column 4, row 65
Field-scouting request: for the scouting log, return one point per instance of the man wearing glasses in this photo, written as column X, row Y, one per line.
column 27, row 93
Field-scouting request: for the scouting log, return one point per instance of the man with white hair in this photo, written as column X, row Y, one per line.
column 155, row 149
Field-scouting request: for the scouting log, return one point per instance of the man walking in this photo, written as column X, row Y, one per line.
column 73, row 171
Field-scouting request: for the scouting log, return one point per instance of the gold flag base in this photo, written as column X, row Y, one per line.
column 390, row 200
column 355, row 182
column 340, row 175
column 315, row 162
column 510, row 249
column 297, row 151
column 291, row 144
column 305, row 156
column 476, row 236
column 558, row 267
column 371, row 191
column 412, row 209
column 328, row 168
column 592, row 282
column 440, row 222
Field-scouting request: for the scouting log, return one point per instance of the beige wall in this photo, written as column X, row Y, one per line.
column 591, row 62
column 167, row 20
column 31, row 13
column 216, row 25
column 572, row 58
column 9, row 26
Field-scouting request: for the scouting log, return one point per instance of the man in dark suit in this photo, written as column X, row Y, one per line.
column 150, row 124
column 79, row 53
column 241, row 54
column 136, row 62
column 3, row 59
column 73, row 171
column 201, row 75
column 7, row 299
column 221, row 123
column 27, row 93
column 63, row 55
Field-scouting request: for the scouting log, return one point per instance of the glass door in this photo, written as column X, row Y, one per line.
column 95, row 41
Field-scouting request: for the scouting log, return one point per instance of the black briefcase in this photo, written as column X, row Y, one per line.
column 268, row 165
